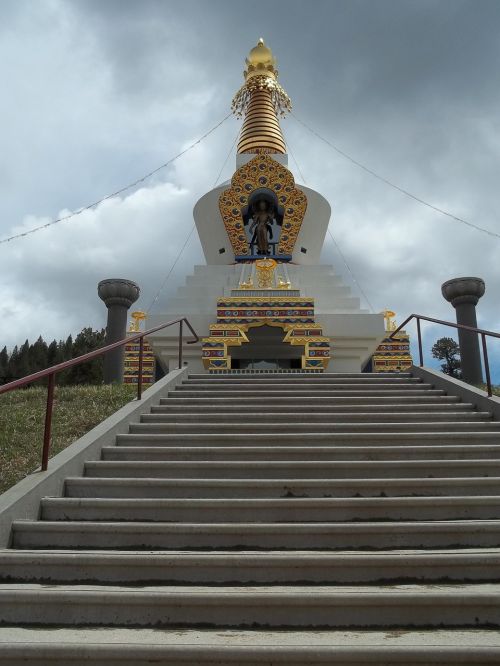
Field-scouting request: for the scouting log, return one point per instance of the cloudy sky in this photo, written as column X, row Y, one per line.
column 95, row 93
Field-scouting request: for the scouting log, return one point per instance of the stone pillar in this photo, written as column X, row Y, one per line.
column 463, row 294
column 118, row 295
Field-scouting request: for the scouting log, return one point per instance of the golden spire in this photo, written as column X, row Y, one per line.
column 261, row 99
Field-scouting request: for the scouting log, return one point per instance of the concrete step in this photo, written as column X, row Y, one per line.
column 286, row 389
column 476, row 605
column 234, row 453
column 354, row 416
column 308, row 402
column 275, row 488
column 57, row 646
column 284, row 510
column 253, row 501
column 223, row 409
column 261, row 536
column 324, row 390
column 317, row 380
column 250, row 567
column 369, row 426
column 290, row 375
column 408, row 439
column 303, row 469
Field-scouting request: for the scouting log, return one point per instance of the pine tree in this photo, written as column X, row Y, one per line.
column 446, row 349
column 24, row 361
column 87, row 373
column 68, row 348
column 38, row 355
column 65, row 352
column 53, row 354
column 12, row 370
column 4, row 360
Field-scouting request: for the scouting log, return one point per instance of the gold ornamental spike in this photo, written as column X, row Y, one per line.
column 137, row 318
column 389, row 315
column 261, row 99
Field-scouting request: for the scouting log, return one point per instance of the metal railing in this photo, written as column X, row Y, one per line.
column 480, row 331
column 54, row 369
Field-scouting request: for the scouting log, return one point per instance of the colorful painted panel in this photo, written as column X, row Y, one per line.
column 216, row 352
column 131, row 364
column 247, row 309
column 393, row 354
column 262, row 171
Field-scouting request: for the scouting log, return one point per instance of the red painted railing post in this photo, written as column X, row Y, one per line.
column 139, row 378
column 420, row 352
column 48, row 422
column 180, row 343
column 486, row 364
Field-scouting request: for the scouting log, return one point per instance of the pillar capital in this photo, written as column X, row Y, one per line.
column 118, row 295
column 118, row 291
column 463, row 290
column 463, row 293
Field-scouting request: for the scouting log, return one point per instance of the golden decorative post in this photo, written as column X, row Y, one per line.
column 137, row 317
column 392, row 354
column 265, row 273
column 131, row 359
column 389, row 315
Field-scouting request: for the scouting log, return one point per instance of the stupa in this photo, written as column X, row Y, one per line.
column 263, row 301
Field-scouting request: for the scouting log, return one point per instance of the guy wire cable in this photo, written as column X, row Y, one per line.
column 117, row 192
column 396, row 187
column 351, row 273
column 158, row 293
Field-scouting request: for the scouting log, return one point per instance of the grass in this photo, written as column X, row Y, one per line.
column 77, row 409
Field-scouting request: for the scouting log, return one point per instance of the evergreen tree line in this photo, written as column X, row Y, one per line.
column 29, row 358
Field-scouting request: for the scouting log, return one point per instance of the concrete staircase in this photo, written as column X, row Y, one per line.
column 270, row 519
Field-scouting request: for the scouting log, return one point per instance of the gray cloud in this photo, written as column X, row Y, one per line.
column 96, row 93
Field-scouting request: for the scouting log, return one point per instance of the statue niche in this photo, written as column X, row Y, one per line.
column 263, row 218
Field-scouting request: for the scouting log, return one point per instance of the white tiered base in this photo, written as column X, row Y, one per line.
column 354, row 333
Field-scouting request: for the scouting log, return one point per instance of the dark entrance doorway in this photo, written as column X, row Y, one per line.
column 266, row 350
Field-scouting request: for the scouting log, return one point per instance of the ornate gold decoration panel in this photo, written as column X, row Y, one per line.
column 216, row 349
column 294, row 315
column 265, row 272
column 262, row 172
column 392, row 354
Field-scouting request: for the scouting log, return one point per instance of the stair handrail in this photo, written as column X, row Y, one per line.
column 480, row 331
column 54, row 369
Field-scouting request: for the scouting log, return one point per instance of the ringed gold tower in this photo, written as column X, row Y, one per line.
column 263, row 301
column 260, row 99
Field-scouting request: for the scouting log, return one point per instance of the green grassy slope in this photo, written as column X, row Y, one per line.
column 77, row 409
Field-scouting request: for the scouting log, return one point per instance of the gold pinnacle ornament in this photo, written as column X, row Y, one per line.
column 137, row 318
column 261, row 99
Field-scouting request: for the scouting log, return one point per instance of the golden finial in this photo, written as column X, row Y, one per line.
column 388, row 317
column 261, row 74
column 135, row 324
column 260, row 61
